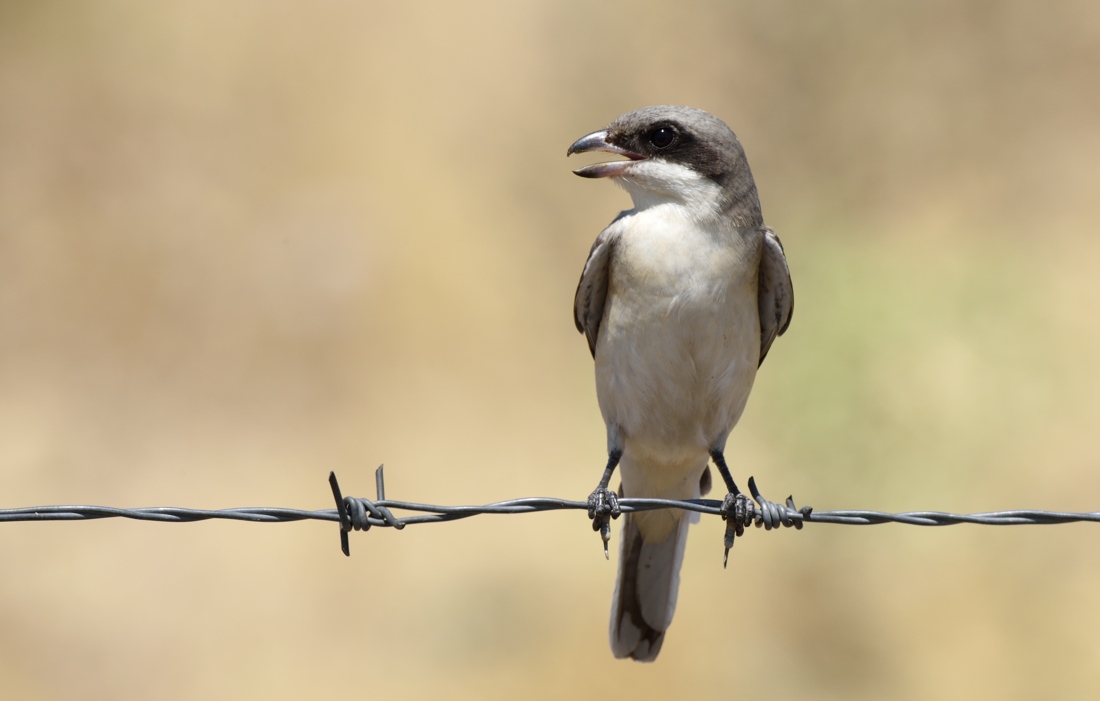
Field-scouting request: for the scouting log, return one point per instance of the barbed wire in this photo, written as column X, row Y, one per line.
column 360, row 514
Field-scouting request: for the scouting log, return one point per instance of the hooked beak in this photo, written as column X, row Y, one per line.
column 597, row 141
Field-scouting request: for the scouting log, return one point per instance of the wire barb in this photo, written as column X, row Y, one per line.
column 739, row 513
column 345, row 520
column 355, row 512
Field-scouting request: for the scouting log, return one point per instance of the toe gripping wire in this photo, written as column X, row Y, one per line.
column 762, row 514
column 356, row 512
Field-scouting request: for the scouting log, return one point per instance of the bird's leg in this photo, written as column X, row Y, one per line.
column 734, row 506
column 724, row 470
column 603, row 505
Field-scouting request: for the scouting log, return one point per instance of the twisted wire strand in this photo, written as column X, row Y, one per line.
column 357, row 513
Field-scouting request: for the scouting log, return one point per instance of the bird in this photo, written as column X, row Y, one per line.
column 680, row 300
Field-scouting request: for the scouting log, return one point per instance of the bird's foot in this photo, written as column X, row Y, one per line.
column 603, row 506
column 737, row 513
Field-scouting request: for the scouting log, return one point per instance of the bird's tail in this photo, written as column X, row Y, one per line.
column 645, row 591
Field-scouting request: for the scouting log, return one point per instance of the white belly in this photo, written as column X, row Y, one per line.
column 678, row 347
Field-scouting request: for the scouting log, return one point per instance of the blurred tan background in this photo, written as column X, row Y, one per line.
column 244, row 243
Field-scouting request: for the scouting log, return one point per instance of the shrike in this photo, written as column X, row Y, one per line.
column 680, row 301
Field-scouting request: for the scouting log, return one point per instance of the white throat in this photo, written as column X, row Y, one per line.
column 656, row 182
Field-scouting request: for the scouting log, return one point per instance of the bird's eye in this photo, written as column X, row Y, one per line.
column 662, row 137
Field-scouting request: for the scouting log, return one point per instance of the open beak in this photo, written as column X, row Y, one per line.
column 597, row 141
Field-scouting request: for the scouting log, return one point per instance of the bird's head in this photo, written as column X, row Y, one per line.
column 677, row 154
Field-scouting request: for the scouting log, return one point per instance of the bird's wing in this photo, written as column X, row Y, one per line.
column 774, row 293
column 588, row 305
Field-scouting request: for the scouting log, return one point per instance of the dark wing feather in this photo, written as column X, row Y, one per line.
column 588, row 305
column 775, row 294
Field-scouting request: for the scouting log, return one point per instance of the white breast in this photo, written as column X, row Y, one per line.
column 680, row 339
